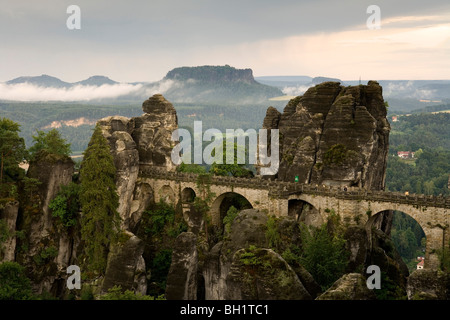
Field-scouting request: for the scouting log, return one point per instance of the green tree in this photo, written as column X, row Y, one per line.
column 324, row 254
column 191, row 168
column 99, row 202
column 12, row 149
column 116, row 293
column 234, row 169
column 232, row 213
column 66, row 204
column 31, row 186
column 50, row 142
column 14, row 284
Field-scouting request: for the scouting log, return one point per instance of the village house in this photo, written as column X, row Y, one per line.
column 421, row 262
column 405, row 154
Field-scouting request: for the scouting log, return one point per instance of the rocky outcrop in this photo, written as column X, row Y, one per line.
column 334, row 135
column 137, row 143
column 262, row 274
column 52, row 172
column 248, row 228
column 242, row 266
column 8, row 216
column 46, row 249
column 126, row 160
column 428, row 285
column 182, row 278
column 351, row 286
column 370, row 246
column 123, row 264
column 152, row 133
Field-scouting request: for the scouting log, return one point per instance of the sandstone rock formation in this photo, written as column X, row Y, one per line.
column 333, row 135
column 243, row 267
column 123, row 264
column 9, row 214
column 428, row 285
column 182, row 277
column 351, row 286
column 137, row 143
column 49, row 249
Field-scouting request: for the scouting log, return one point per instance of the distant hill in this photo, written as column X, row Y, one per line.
column 204, row 84
column 47, row 81
column 41, row 81
column 96, row 81
column 282, row 82
column 319, row 80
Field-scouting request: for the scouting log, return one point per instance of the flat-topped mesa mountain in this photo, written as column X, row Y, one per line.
column 334, row 135
column 212, row 74
column 215, row 85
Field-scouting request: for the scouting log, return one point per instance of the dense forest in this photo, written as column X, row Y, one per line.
column 420, row 131
column 427, row 135
column 409, row 239
column 33, row 116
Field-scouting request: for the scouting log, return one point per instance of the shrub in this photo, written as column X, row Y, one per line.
column 323, row 254
column 229, row 218
column 272, row 234
column 66, row 205
column 14, row 284
column 116, row 293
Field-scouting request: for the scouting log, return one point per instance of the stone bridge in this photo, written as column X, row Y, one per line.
column 354, row 206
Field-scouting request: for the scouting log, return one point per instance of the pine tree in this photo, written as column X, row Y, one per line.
column 12, row 149
column 49, row 143
column 99, row 202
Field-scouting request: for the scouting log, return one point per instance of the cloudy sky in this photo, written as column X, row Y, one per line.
column 141, row 40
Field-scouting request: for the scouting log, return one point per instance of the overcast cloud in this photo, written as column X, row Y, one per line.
column 139, row 40
column 30, row 92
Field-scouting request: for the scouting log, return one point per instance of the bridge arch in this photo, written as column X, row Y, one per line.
column 303, row 211
column 306, row 209
column 222, row 204
column 188, row 195
column 433, row 236
column 167, row 194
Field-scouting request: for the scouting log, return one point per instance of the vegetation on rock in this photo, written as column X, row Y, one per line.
column 99, row 201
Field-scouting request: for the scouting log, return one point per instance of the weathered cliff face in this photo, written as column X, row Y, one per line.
column 428, row 285
column 152, row 132
column 8, row 215
column 334, row 135
column 182, row 278
column 46, row 249
column 351, row 286
column 125, row 266
column 137, row 143
column 243, row 267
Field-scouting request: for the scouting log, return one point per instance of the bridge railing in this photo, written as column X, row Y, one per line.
column 285, row 189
